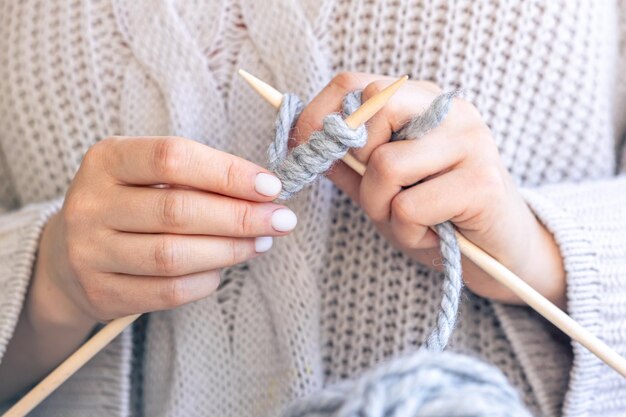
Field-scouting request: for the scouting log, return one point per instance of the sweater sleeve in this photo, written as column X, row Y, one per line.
column 101, row 387
column 588, row 221
column 19, row 238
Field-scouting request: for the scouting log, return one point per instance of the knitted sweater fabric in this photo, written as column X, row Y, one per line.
column 333, row 298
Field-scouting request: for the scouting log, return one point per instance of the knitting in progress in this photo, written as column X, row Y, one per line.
column 429, row 382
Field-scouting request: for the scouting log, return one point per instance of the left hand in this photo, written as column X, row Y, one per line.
column 461, row 179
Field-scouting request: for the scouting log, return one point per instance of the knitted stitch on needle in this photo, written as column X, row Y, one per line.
column 307, row 161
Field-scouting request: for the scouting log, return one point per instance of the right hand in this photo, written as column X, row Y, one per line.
column 120, row 245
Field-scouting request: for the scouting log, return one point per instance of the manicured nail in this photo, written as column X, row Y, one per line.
column 284, row 220
column 267, row 184
column 263, row 243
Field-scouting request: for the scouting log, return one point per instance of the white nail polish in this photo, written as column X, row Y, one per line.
column 284, row 220
column 267, row 184
column 263, row 244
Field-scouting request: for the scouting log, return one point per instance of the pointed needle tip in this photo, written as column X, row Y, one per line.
column 374, row 104
column 269, row 93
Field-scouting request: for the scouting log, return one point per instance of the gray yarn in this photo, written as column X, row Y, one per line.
column 428, row 382
column 452, row 286
column 314, row 157
column 289, row 110
column 430, row 119
column 423, row 384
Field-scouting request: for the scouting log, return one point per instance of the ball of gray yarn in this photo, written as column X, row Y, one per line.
column 424, row 384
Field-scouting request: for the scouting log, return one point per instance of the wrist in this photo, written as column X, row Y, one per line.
column 48, row 304
column 545, row 271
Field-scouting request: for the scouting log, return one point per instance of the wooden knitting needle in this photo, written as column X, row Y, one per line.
column 478, row 256
column 360, row 115
column 111, row 330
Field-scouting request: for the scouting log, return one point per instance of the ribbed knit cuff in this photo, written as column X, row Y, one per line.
column 580, row 261
column 19, row 240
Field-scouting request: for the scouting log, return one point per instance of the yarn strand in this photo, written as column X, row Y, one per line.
column 452, row 288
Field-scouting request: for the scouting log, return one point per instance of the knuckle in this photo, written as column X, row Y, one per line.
column 92, row 155
column 420, row 240
column 483, row 134
column 373, row 88
column 233, row 251
column 383, row 161
column 244, row 218
column 230, row 175
column 175, row 292
column 215, row 275
column 345, row 80
column 489, row 176
column 174, row 209
column 79, row 212
column 75, row 257
column 95, row 297
column 430, row 86
column 97, row 150
column 167, row 256
column 169, row 155
column 466, row 108
column 403, row 208
column 100, row 155
column 73, row 209
column 478, row 142
column 489, row 181
column 408, row 241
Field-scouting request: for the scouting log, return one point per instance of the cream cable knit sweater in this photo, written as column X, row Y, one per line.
column 334, row 298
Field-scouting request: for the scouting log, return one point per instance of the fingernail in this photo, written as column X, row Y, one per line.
column 284, row 220
column 267, row 184
column 263, row 244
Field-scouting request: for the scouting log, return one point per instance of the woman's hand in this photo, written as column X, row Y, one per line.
column 460, row 178
column 148, row 223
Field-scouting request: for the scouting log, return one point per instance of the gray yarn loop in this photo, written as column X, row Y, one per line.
column 429, row 382
column 308, row 160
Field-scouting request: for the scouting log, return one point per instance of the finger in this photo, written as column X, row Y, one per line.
column 179, row 161
column 174, row 255
column 346, row 179
column 329, row 100
column 447, row 197
column 400, row 164
column 191, row 212
column 412, row 99
column 114, row 295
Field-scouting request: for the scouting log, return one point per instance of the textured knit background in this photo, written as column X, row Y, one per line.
column 334, row 298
